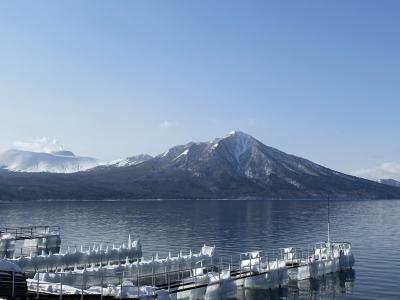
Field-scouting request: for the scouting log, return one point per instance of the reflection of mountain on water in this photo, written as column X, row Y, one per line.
column 324, row 288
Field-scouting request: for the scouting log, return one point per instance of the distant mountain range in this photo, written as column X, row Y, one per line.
column 54, row 162
column 59, row 161
column 235, row 166
column 390, row 182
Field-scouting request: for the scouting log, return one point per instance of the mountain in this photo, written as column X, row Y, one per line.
column 129, row 161
column 390, row 182
column 55, row 162
column 387, row 170
column 234, row 166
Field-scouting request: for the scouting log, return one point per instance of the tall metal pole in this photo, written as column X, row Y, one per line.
column 329, row 224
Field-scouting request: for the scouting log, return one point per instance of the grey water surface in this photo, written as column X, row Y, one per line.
column 373, row 228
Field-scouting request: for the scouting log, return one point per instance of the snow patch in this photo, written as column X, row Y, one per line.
column 184, row 153
column 268, row 170
column 306, row 170
column 249, row 173
column 165, row 153
column 242, row 144
column 293, row 182
column 130, row 161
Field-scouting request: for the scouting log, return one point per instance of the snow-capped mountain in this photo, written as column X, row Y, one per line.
column 238, row 165
column 239, row 154
column 390, row 182
column 54, row 162
column 130, row 161
column 234, row 166
column 386, row 170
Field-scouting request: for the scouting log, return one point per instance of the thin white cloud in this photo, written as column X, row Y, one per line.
column 387, row 170
column 169, row 124
column 41, row 144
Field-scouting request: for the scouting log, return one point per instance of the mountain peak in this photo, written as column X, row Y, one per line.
column 238, row 143
column 239, row 134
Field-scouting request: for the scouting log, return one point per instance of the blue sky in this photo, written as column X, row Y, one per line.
column 111, row 79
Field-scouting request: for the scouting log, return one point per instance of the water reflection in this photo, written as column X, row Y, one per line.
column 324, row 288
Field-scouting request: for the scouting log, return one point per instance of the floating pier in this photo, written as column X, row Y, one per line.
column 204, row 275
column 38, row 248
column 121, row 272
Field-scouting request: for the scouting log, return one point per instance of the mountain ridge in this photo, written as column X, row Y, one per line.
column 56, row 162
column 231, row 167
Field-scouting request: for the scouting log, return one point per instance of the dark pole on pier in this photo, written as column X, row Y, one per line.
column 329, row 224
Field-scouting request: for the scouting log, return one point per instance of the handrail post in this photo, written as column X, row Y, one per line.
column 121, row 287
column 152, row 272
column 102, row 283
column 219, row 270
column 61, row 292
column 250, row 262
column 169, row 282
column 240, row 265
column 37, row 290
column 138, row 281
column 195, row 275
column 13, row 284
column 83, row 279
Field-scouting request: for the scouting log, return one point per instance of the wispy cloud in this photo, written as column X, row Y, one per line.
column 387, row 170
column 169, row 124
column 39, row 144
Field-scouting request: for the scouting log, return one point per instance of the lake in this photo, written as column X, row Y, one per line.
column 373, row 228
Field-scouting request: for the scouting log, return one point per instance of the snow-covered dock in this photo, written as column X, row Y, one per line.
column 202, row 275
column 38, row 248
column 81, row 257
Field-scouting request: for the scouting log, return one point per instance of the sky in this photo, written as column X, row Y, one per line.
column 111, row 79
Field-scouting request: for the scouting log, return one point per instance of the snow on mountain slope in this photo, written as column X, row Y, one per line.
column 130, row 161
column 240, row 154
column 234, row 166
column 390, row 182
column 55, row 162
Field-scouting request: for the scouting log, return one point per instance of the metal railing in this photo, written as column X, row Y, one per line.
column 30, row 232
column 12, row 284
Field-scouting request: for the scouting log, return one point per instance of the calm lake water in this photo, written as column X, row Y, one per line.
column 373, row 228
